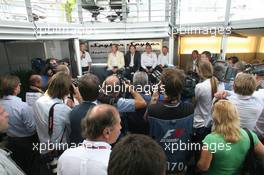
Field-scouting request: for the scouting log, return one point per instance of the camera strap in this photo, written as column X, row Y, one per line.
column 51, row 122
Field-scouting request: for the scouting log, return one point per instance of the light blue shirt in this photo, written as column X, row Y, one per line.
column 126, row 105
column 21, row 117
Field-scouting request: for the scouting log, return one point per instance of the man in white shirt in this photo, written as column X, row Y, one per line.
column 163, row 58
column 115, row 60
column 86, row 60
column 101, row 127
column 148, row 59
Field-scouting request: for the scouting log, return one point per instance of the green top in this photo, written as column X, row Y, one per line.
column 228, row 158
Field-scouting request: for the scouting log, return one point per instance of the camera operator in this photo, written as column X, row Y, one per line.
column 114, row 96
column 52, row 120
column 50, row 70
column 135, row 120
column 172, row 107
column 148, row 60
column 89, row 90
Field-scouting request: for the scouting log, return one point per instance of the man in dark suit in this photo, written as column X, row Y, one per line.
column 132, row 60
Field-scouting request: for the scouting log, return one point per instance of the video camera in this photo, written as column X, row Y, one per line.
column 256, row 69
column 155, row 76
column 191, row 80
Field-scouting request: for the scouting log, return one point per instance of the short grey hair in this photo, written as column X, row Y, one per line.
column 140, row 78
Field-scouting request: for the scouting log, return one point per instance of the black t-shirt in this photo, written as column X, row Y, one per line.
column 170, row 111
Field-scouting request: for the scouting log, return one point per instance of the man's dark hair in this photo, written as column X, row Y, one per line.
column 233, row 59
column 195, row 51
column 207, row 53
column 137, row 155
column 173, row 81
column 132, row 45
column 97, row 119
column 89, row 87
column 8, row 84
column 165, row 47
column 148, row 45
column 59, row 85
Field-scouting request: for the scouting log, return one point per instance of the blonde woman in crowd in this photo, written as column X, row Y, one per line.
column 226, row 142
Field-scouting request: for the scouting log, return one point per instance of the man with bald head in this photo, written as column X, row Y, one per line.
column 34, row 91
column 100, row 128
column 112, row 88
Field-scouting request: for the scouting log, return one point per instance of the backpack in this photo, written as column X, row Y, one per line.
column 252, row 166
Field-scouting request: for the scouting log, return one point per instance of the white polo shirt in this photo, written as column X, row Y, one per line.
column 91, row 158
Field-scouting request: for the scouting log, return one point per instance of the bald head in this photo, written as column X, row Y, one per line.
column 98, row 119
column 99, row 111
column 35, row 80
column 112, row 80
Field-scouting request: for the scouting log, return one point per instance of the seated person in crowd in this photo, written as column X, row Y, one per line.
column 112, row 90
column 101, row 127
column 172, row 107
column 52, row 119
column 115, row 61
column 206, row 56
column 163, row 58
column 148, row 59
column 229, row 158
column 7, row 166
column 133, row 59
column 22, row 129
column 204, row 94
column 86, row 60
column 89, row 89
column 137, row 155
column 34, row 91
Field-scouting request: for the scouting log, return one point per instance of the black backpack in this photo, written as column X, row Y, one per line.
column 252, row 165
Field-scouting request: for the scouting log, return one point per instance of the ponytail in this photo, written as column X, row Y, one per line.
column 214, row 83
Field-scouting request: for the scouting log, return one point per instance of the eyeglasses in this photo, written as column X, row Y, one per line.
column 218, row 99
